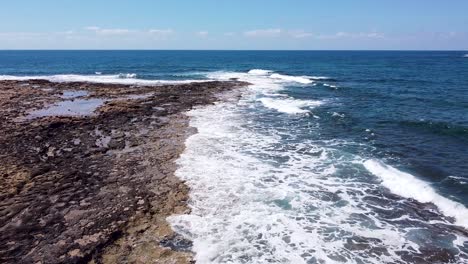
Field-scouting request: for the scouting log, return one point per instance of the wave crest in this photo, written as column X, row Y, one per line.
column 289, row 105
column 288, row 78
column 127, row 75
column 259, row 72
column 408, row 186
column 125, row 79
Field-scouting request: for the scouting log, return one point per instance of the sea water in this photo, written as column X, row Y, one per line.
column 328, row 156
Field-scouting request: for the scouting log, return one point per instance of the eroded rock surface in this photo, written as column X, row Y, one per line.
column 94, row 188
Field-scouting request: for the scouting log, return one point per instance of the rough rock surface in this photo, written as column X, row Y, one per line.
column 97, row 188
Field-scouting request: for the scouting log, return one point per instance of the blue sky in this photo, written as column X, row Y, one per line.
column 234, row 24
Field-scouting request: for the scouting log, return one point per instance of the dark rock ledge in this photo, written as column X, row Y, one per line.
column 94, row 188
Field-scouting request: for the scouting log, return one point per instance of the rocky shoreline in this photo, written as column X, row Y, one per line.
column 87, row 170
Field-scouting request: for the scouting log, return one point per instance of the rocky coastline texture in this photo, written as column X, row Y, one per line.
column 87, row 170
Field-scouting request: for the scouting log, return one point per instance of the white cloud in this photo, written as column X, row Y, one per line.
column 300, row 34
column 202, row 33
column 25, row 35
column 338, row 35
column 446, row 35
column 114, row 31
column 273, row 32
column 160, row 31
column 277, row 32
column 96, row 37
column 92, row 28
column 22, row 34
column 109, row 31
column 154, row 33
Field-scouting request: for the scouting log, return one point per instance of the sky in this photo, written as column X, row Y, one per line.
column 235, row 24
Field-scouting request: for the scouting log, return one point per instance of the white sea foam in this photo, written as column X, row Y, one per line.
column 408, row 186
column 289, row 105
column 259, row 72
column 338, row 115
column 263, row 80
column 267, row 84
column 318, row 78
column 258, row 195
column 126, row 79
column 330, row 85
column 465, row 56
column 127, row 75
column 288, row 78
column 275, row 95
column 460, row 180
column 250, row 207
column 282, row 77
column 260, row 83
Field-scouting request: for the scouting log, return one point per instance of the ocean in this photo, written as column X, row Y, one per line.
column 328, row 156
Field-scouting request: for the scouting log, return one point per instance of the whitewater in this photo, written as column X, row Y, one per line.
column 263, row 192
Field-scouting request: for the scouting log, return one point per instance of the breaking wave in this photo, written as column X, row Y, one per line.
column 126, row 79
column 289, row 105
column 298, row 79
column 262, row 193
column 408, row 186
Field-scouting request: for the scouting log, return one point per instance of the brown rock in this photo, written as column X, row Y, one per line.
column 66, row 199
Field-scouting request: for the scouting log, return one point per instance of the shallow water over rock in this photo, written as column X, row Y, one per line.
column 77, row 107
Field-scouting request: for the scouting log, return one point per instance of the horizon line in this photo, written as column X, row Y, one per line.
column 422, row 50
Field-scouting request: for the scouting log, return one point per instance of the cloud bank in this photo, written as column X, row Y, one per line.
column 96, row 37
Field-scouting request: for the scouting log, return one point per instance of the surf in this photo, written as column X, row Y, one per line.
column 262, row 192
column 122, row 78
column 408, row 186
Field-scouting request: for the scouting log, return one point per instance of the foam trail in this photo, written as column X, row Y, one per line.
column 260, row 72
column 330, row 85
column 289, row 105
column 262, row 191
column 126, row 79
column 260, row 196
column 259, row 79
column 408, row 186
column 288, row 78
column 318, row 78
column 246, row 209
column 268, row 84
column 128, row 75
column 262, row 80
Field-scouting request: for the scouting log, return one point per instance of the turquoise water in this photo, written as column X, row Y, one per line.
column 330, row 156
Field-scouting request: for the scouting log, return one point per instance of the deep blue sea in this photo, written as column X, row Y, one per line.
column 328, row 157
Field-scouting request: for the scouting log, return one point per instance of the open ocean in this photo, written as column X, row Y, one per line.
column 328, row 157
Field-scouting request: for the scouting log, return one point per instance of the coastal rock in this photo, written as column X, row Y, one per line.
column 94, row 188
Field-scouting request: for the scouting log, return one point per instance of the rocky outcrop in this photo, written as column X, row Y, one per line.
column 94, row 188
